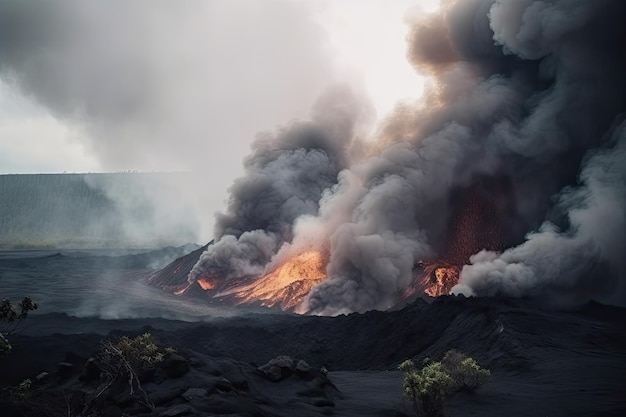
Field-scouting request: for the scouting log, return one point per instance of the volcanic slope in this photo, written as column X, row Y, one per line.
column 543, row 362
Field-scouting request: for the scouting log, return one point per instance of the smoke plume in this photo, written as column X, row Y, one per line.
column 525, row 94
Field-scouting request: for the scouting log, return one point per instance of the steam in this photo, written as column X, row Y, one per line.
column 157, row 86
column 529, row 91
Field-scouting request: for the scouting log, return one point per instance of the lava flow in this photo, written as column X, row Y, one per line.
column 287, row 284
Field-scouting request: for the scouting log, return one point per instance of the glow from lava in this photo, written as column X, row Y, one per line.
column 285, row 285
column 206, row 284
column 438, row 278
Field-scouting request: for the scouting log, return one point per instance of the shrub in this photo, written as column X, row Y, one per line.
column 138, row 352
column 121, row 361
column 11, row 318
column 465, row 372
column 22, row 391
column 429, row 387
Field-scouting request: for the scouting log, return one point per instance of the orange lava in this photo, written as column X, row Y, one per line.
column 287, row 284
column 433, row 279
column 206, row 284
column 438, row 278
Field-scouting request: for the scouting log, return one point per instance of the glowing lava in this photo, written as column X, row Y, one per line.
column 206, row 284
column 287, row 284
column 439, row 278
column 476, row 223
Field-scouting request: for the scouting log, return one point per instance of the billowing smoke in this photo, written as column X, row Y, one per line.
column 525, row 94
column 587, row 255
column 286, row 175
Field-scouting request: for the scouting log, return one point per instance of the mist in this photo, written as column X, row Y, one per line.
column 163, row 87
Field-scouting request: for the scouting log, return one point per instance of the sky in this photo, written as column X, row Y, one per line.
column 94, row 86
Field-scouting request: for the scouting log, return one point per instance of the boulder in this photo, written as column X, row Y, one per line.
column 177, row 410
column 278, row 368
column 175, row 365
column 194, row 394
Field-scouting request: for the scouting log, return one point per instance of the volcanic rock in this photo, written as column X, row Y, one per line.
column 193, row 394
column 161, row 397
column 224, row 385
column 91, row 371
column 177, row 410
column 278, row 368
column 64, row 369
column 175, row 365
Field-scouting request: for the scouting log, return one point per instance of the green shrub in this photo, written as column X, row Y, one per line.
column 465, row 372
column 429, row 387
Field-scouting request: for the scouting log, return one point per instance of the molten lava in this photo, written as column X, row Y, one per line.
column 439, row 278
column 476, row 223
column 285, row 285
column 206, row 284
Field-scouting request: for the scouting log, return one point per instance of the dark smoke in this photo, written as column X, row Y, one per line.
column 286, row 175
column 529, row 93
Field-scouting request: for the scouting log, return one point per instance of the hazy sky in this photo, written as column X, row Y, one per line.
column 100, row 86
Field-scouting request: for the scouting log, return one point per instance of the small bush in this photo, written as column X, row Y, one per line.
column 139, row 352
column 11, row 318
column 465, row 372
column 22, row 391
column 429, row 387
column 121, row 360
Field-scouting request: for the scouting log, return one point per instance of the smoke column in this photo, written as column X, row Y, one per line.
column 531, row 92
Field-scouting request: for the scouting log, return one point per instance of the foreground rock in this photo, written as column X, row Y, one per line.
column 276, row 365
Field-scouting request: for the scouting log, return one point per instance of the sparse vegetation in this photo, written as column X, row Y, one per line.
column 11, row 318
column 22, row 391
column 122, row 360
column 429, row 387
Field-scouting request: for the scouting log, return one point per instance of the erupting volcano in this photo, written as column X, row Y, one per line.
column 506, row 178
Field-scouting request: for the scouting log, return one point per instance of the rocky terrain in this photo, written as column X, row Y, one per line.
column 542, row 361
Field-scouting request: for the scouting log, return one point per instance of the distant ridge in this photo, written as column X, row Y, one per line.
column 100, row 210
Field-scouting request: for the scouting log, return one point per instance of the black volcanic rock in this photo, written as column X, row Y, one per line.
column 563, row 362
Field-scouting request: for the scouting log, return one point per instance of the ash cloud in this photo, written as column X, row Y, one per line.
column 526, row 110
column 585, row 259
column 285, row 177
column 526, row 93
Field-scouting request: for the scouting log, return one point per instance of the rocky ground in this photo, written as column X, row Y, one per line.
column 543, row 362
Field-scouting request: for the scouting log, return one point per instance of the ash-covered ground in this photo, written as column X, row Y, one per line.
column 543, row 361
